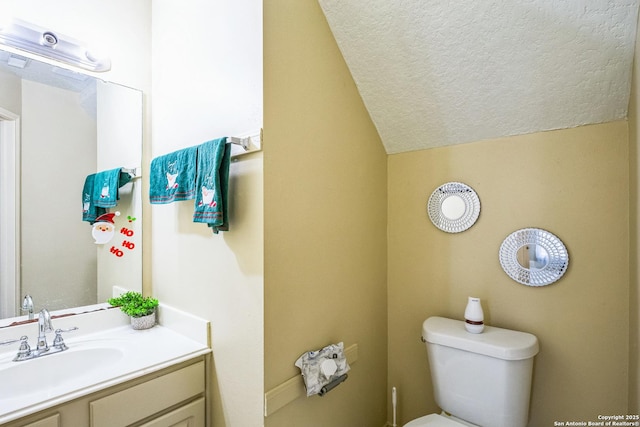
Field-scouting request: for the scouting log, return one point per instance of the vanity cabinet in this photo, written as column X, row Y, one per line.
column 173, row 397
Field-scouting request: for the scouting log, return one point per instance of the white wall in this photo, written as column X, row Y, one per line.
column 10, row 92
column 55, row 244
column 207, row 83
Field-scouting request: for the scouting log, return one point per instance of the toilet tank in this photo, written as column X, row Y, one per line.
column 484, row 379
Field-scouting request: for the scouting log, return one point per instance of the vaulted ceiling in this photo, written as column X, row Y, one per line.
column 442, row 72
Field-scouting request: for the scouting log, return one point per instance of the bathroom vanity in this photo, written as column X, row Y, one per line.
column 168, row 397
column 111, row 375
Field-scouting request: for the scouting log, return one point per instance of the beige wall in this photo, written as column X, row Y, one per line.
column 571, row 182
column 325, row 220
column 634, row 234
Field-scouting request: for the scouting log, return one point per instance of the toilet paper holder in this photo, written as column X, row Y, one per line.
column 333, row 384
column 323, row 370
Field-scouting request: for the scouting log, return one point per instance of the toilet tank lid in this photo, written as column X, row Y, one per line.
column 495, row 342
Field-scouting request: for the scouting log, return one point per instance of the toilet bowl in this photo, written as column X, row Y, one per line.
column 482, row 380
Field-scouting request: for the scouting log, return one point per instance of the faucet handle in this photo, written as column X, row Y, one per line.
column 24, row 351
column 58, row 341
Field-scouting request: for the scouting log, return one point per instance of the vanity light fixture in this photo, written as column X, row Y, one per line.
column 49, row 44
column 17, row 61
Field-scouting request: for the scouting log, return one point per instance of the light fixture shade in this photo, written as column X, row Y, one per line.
column 31, row 38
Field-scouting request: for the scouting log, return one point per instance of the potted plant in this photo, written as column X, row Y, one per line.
column 142, row 310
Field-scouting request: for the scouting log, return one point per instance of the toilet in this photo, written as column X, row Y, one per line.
column 478, row 379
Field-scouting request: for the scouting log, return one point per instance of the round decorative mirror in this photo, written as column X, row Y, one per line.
column 453, row 207
column 534, row 257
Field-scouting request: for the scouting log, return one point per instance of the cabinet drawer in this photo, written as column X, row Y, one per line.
column 146, row 399
column 191, row 415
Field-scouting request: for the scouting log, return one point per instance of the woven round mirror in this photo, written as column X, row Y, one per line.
column 453, row 207
column 534, row 257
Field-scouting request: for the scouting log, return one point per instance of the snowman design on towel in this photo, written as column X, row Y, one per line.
column 86, row 203
column 171, row 177
column 105, row 191
column 208, row 194
column 207, row 197
column 171, row 180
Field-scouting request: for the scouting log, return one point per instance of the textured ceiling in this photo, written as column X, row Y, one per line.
column 442, row 72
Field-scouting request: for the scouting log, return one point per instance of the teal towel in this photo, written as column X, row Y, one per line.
column 212, row 183
column 106, row 187
column 173, row 176
column 89, row 210
column 223, row 173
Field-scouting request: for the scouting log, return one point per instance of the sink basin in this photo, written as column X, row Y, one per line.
column 54, row 370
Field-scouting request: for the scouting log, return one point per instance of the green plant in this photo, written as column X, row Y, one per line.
column 134, row 304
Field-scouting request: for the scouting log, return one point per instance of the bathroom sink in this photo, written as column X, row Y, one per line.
column 55, row 370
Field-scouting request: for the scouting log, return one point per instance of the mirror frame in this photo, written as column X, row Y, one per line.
column 471, row 203
column 550, row 273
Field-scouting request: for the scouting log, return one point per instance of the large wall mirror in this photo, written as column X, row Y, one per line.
column 56, row 128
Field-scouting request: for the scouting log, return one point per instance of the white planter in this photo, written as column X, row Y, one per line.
column 144, row 322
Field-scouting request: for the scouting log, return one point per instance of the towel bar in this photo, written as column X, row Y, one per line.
column 250, row 144
column 135, row 172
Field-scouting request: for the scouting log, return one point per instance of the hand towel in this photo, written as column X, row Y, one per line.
column 89, row 210
column 173, row 176
column 223, row 173
column 212, row 184
column 106, row 187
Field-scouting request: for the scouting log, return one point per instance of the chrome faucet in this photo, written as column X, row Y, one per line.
column 44, row 326
column 42, row 348
column 27, row 305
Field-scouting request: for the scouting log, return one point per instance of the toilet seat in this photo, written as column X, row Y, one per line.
column 433, row 420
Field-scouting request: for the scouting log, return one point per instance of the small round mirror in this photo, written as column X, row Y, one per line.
column 533, row 257
column 453, row 207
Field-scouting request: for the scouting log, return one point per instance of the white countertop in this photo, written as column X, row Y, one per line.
column 123, row 354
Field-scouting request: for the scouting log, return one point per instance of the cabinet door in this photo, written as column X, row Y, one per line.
column 190, row 415
column 52, row 421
